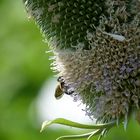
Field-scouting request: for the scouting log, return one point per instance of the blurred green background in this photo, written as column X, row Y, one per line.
column 24, row 67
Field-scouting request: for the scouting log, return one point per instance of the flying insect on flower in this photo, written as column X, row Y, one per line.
column 62, row 89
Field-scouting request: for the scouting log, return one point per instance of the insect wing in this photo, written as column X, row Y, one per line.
column 58, row 92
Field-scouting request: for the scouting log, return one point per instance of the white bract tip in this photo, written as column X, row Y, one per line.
column 44, row 125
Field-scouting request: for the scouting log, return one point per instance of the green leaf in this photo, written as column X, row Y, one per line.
column 94, row 133
column 86, row 135
column 75, row 124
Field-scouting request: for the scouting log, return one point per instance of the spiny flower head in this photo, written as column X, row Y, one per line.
column 96, row 45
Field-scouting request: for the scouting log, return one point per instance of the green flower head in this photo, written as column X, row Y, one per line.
column 96, row 45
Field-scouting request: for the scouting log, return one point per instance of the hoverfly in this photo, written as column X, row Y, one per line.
column 62, row 89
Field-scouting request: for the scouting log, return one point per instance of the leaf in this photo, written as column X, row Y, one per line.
column 94, row 133
column 75, row 136
column 75, row 124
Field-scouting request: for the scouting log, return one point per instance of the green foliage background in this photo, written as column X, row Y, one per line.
column 24, row 67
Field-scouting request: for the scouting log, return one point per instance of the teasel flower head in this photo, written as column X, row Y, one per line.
column 96, row 47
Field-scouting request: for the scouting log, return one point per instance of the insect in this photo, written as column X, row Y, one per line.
column 58, row 92
column 62, row 89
